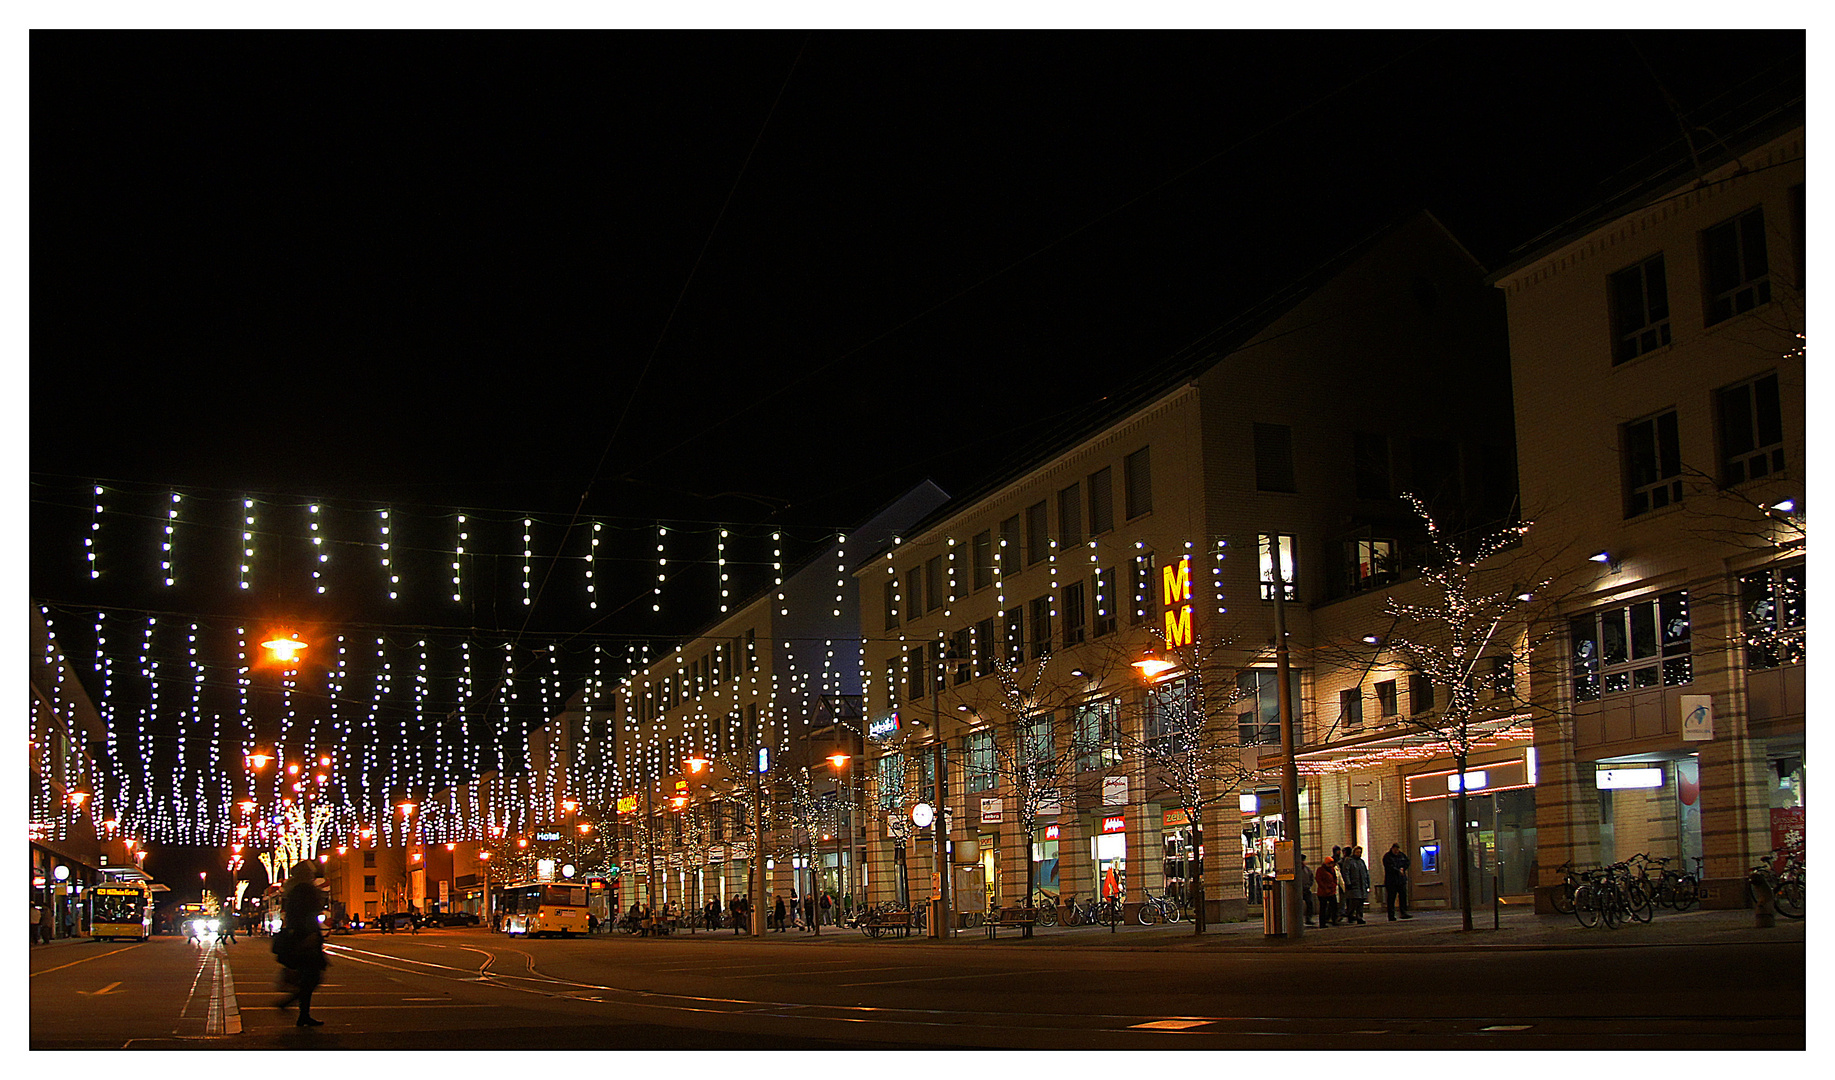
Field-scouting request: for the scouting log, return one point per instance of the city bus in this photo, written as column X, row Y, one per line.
column 536, row 908
column 121, row 909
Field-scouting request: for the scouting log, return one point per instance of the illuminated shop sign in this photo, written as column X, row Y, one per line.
column 1499, row 776
column 627, row 804
column 547, row 836
column 884, row 727
column 1649, row 776
column 1114, row 824
column 1175, row 592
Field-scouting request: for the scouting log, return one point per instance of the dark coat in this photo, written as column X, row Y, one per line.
column 1395, row 868
column 300, row 944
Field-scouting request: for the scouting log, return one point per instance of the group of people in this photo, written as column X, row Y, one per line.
column 1342, row 884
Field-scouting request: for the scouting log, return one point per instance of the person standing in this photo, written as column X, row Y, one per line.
column 778, row 913
column 37, row 914
column 1356, row 874
column 1327, row 881
column 1395, row 881
column 300, row 945
column 1305, row 885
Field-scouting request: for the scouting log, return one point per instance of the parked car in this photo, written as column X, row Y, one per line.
column 450, row 918
column 400, row 920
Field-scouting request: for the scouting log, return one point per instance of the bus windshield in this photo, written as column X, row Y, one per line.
column 117, row 905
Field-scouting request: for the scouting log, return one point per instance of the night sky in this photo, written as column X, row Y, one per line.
column 765, row 279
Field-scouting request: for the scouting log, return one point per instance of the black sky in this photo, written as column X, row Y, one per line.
column 500, row 271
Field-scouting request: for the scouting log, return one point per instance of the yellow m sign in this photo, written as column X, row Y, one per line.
column 1175, row 590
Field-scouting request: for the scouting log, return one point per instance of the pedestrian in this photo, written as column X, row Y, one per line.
column 300, row 945
column 226, row 919
column 37, row 913
column 592, row 923
column 742, row 911
column 828, row 907
column 1395, row 881
column 1305, row 885
column 414, row 919
column 778, row 914
column 1338, row 855
column 1327, row 885
column 1356, row 874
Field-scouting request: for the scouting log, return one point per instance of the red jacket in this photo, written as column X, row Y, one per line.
column 1325, row 879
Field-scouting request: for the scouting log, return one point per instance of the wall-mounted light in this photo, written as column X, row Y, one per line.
column 1602, row 557
column 1372, row 639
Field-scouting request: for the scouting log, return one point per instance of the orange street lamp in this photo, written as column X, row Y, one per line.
column 1152, row 665
column 259, row 760
column 696, row 763
column 284, row 650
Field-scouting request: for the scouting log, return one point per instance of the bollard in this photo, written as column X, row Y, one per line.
column 1764, row 907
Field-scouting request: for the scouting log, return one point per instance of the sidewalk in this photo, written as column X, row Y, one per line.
column 1428, row 931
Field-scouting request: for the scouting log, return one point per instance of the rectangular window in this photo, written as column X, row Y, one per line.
column 1041, row 626
column 1038, row 746
column 1274, row 458
column 1102, row 502
column 959, row 647
column 1137, row 482
column 1640, row 310
column 751, row 650
column 1351, row 709
column 1014, row 633
column 1172, row 718
column 915, row 680
column 1070, row 516
column 1106, row 601
column 1372, row 563
column 1653, row 464
column 978, row 773
column 914, row 593
column 1266, row 544
column 1420, row 694
column 891, row 602
column 1009, row 546
column 982, row 556
column 1736, row 272
column 369, row 883
column 1370, row 464
column 1097, row 730
column 933, row 583
column 987, row 647
column 1774, row 609
column 369, row 858
column 1038, row 533
column 1751, row 430
column 1258, row 719
column 1074, row 613
column 1386, row 698
column 1633, row 647
column 1146, row 596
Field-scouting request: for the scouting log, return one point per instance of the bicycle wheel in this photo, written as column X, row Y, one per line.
column 1586, row 906
column 1175, row 912
column 1149, row 913
column 1789, row 900
column 1611, row 906
column 1047, row 914
column 1686, row 892
column 1563, row 897
column 1637, row 902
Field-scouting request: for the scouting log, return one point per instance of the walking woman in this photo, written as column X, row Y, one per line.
column 300, row 945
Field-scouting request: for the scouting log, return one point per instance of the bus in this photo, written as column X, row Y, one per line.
column 121, row 909
column 537, row 908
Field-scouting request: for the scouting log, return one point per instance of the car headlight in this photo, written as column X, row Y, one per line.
column 211, row 926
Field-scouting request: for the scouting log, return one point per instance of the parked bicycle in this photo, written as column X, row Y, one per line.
column 1046, row 910
column 1563, row 897
column 1784, row 873
column 1157, row 909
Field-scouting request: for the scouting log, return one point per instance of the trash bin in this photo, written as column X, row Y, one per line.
column 1274, row 912
column 933, row 920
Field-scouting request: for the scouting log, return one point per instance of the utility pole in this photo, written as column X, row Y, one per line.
column 1290, row 775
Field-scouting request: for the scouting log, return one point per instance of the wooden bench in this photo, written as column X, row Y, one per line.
column 884, row 921
column 1012, row 918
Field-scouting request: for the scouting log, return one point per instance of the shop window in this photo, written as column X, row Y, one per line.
column 1097, row 731
column 1653, row 463
column 1634, row 647
column 1266, row 545
column 1640, row 310
column 1736, row 270
column 1751, row 430
column 1774, row 609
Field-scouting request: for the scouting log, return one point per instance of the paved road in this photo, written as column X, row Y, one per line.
column 1699, row 980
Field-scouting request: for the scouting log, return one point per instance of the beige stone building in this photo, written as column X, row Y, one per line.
column 1003, row 629
column 1658, row 363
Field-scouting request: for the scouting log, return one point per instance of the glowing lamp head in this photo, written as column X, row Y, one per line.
column 696, row 763
column 259, row 760
column 1152, row 665
column 839, row 761
column 284, row 650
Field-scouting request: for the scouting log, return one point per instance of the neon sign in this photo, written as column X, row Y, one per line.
column 1175, row 592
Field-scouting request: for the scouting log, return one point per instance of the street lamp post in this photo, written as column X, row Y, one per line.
column 940, row 827
column 843, row 849
column 1290, row 777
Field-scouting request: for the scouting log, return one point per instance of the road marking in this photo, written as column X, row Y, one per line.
column 1507, row 1027
column 109, row 989
column 225, row 1015
column 84, row 960
column 1171, row 1025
